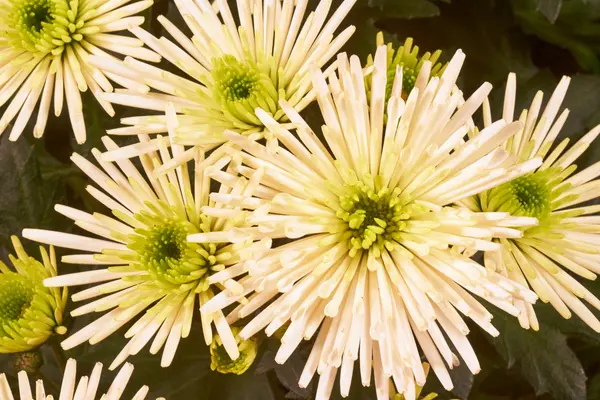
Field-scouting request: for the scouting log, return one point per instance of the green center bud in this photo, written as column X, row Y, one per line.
column 17, row 294
column 241, row 87
column 34, row 14
column 170, row 260
column 375, row 218
column 42, row 26
column 532, row 195
column 220, row 361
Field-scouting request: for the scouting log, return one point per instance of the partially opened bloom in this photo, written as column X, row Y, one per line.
column 368, row 266
column 220, row 360
column 406, row 57
column 72, row 388
column 29, row 312
column 143, row 254
column 44, row 48
column 566, row 239
column 232, row 67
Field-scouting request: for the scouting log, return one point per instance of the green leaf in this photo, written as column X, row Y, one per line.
column 576, row 28
column 406, row 9
column 593, row 392
column 289, row 373
column 28, row 196
column 544, row 358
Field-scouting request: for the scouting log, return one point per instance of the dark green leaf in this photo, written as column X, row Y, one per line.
column 593, row 392
column 406, row 9
column 28, row 196
column 544, row 358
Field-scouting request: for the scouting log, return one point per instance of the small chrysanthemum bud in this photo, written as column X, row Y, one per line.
column 406, row 57
column 221, row 362
column 29, row 312
column 28, row 361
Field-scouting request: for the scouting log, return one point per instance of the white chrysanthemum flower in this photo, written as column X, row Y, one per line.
column 369, row 263
column 567, row 234
column 72, row 389
column 44, row 46
column 232, row 67
column 151, row 266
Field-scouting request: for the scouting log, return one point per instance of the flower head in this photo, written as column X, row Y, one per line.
column 233, row 67
column 368, row 266
column 407, row 58
column 221, row 362
column 43, row 56
column 29, row 312
column 567, row 233
column 71, row 388
column 147, row 263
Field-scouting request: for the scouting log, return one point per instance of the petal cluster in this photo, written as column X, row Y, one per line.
column 44, row 52
column 565, row 241
column 232, row 66
column 146, row 265
column 370, row 267
column 85, row 388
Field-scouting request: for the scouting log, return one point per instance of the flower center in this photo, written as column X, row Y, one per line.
column 375, row 218
column 42, row 26
column 34, row 13
column 166, row 242
column 531, row 195
column 240, row 88
column 17, row 294
column 409, row 77
column 234, row 81
column 170, row 260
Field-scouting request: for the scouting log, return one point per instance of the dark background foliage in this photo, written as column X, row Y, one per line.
column 540, row 40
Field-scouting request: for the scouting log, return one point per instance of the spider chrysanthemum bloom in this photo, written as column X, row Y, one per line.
column 143, row 255
column 85, row 388
column 44, row 46
column 232, row 67
column 29, row 312
column 406, row 57
column 368, row 266
column 566, row 239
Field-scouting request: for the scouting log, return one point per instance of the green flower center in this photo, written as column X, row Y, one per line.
column 170, row 260
column 42, row 26
column 34, row 13
column 533, row 195
column 375, row 218
column 166, row 242
column 241, row 87
column 17, row 294
column 234, row 81
column 409, row 77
